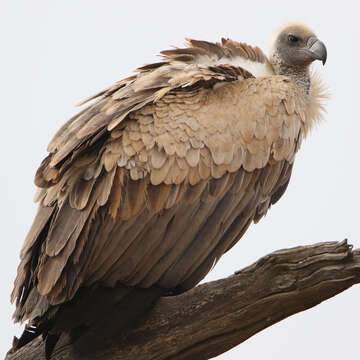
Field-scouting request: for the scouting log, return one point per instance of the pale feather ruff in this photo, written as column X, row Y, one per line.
column 319, row 94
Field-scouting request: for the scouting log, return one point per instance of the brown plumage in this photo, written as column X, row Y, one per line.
column 149, row 185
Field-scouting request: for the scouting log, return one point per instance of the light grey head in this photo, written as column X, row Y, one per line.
column 294, row 48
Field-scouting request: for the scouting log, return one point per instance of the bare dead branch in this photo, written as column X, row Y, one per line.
column 212, row 318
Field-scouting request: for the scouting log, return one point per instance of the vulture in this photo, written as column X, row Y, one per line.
column 162, row 173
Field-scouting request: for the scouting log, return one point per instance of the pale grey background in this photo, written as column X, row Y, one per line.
column 55, row 53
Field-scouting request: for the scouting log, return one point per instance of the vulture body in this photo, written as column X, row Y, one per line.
column 149, row 185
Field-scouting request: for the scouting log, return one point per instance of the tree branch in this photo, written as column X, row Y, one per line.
column 212, row 318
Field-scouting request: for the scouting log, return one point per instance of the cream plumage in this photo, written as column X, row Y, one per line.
column 155, row 180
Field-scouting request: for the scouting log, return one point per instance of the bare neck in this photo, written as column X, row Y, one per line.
column 299, row 74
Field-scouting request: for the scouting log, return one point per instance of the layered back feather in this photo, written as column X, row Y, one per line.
column 200, row 64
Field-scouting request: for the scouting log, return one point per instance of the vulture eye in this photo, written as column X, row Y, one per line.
column 293, row 39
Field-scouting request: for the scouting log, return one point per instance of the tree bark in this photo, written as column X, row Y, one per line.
column 214, row 317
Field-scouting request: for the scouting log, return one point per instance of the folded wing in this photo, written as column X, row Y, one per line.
column 153, row 182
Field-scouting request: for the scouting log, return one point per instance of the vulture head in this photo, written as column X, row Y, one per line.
column 296, row 45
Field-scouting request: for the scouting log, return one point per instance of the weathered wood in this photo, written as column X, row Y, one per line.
column 214, row 317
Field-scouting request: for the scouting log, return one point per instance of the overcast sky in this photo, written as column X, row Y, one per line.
column 56, row 53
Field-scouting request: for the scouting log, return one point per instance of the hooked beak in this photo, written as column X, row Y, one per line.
column 317, row 49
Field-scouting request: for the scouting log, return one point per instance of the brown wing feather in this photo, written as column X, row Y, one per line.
column 150, row 83
column 168, row 187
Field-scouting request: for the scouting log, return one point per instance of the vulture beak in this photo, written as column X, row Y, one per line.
column 317, row 49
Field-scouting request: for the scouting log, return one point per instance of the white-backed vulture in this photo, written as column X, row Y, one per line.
column 149, row 185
